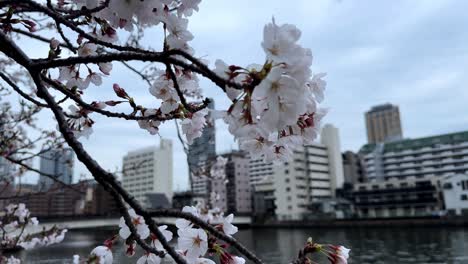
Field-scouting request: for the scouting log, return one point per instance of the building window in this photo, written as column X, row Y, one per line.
column 286, row 180
column 464, row 197
column 286, row 172
column 464, row 185
column 288, row 189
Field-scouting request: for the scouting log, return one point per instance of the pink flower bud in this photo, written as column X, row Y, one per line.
column 120, row 91
column 54, row 43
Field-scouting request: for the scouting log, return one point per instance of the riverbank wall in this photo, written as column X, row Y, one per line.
column 350, row 223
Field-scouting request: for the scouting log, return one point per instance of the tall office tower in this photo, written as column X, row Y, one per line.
column 311, row 176
column 56, row 162
column 383, row 124
column 201, row 150
column 149, row 171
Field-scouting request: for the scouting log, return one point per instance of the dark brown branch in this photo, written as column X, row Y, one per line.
column 161, row 57
column 87, row 12
column 197, row 221
column 65, row 38
column 91, row 108
column 20, row 92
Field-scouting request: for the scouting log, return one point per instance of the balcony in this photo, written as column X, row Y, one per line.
column 414, row 189
column 407, row 164
column 397, row 202
column 427, row 162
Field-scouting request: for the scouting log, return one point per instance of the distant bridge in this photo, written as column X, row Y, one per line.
column 93, row 222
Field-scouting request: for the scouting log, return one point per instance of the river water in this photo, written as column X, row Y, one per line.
column 368, row 245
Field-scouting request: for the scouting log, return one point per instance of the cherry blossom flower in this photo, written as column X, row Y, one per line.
column 218, row 169
column 149, row 258
column 79, row 122
column 33, row 221
column 103, row 254
column 88, row 49
column 203, row 261
column 13, row 260
column 228, row 228
column 94, row 78
column 76, row 259
column 194, row 241
column 342, row 251
column 192, row 127
column 139, row 224
column 167, row 236
column 183, row 223
column 152, row 126
column 227, row 258
column 105, row 67
column 130, row 248
column 279, row 41
column 21, row 212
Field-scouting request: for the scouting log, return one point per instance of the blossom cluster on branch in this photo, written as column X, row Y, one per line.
column 18, row 231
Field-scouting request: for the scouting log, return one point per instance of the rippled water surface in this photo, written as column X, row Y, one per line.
column 368, row 245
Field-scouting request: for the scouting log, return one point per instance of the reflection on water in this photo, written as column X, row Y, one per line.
column 368, row 245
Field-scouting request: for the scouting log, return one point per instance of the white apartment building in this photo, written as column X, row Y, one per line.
column 455, row 193
column 149, row 170
column 313, row 174
column 398, row 197
column 439, row 156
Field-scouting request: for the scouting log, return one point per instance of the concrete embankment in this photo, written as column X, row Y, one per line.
column 403, row 222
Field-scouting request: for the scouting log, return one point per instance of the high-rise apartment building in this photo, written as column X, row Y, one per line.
column 149, row 170
column 383, row 123
column 58, row 163
column 313, row 175
column 441, row 155
column 201, row 150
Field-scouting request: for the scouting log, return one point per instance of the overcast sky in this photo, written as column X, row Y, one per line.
column 410, row 53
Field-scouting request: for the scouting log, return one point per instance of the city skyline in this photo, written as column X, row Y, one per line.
column 376, row 66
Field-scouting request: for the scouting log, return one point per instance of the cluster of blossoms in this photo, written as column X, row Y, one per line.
column 335, row 254
column 127, row 14
column 193, row 242
column 17, row 231
column 277, row 110
column 124, row 15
